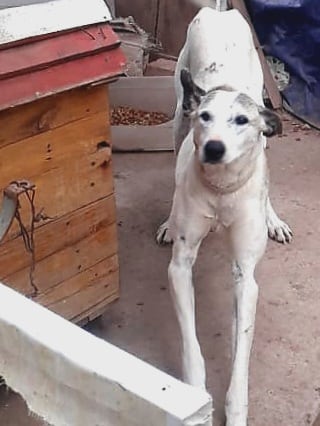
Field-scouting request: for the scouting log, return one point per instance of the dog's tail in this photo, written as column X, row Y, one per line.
column 220, row 5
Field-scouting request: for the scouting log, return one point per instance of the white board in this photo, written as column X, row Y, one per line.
column 70, row 377
column 18, row 23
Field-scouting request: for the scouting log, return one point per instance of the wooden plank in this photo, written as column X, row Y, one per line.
column 68, row 262
column 51, row 112
column 55, row 235
column 49, row 17
column 84, row 291
column 76, row 305
column 58, row 49
column 97, row 68
column 40, row 350
column 270, row 84
column 53, row 149
column 170, row 30
column 76, row 284
column 95, row 311
column 68, row 188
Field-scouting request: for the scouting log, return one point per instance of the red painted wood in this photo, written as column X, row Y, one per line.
column 62, row 62
column 61, row 77
column 60, row 48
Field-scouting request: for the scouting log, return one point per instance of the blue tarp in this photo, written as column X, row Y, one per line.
column 290, row 31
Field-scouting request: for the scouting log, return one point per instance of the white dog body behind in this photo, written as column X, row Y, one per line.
column 218, row 51
column 221, row 182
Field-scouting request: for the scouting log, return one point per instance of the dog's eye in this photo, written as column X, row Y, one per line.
column 241, row 120
column 205, row 116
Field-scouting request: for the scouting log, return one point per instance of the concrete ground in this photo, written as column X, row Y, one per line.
column 285, row 362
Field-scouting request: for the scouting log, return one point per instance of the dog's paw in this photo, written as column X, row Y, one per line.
column 163, row 234
column 279, row 231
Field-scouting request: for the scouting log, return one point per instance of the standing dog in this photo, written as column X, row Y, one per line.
column 220, row 131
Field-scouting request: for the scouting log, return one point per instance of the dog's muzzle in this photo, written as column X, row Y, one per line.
column 214, row 151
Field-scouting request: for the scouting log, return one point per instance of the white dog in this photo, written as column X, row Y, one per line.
column 221, row 182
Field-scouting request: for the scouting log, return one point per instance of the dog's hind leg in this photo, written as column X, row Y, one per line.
column 248, row 238
column 277, row 229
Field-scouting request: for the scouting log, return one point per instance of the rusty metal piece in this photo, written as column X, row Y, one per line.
column 10, row 210
column 17, row 187
column 10, row 204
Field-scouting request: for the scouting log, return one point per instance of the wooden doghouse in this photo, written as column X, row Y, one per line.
column 61, row 250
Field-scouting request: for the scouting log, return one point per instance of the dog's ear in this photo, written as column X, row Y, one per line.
column 272, row 122
column 191, row 92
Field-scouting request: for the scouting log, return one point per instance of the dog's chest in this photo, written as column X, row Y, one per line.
column 222, row 211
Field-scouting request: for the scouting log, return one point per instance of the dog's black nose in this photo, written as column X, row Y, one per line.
column 213, row 151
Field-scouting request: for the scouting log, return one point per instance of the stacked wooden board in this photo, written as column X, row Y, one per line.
column 55, row 132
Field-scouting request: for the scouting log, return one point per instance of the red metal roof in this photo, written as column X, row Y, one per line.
column 59, row 62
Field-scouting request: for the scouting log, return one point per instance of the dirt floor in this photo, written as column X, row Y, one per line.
column 285, row 363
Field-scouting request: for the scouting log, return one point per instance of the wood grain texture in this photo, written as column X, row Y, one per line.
column 83, row 291
column 62, row 145
column 68, row 262
column 58, row 234
column 59, row 48
column 49, row 113
column 67, row 163
column 95, row 69
column 71, row 286
column 65, row 189
column 53, row 149
column 96, row 310
column 174, row 18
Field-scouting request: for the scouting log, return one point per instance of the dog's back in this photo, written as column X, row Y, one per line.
column 219, row 50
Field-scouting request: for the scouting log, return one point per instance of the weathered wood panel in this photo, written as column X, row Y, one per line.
column 89, row 314
column 85, row 290
column 54, row 236
column 173, row 21
column 68, row 262
column 88, row 296
column 94, row 69
column 58, row 49
column 53, row 149
column 60, row 191
column 165, row 20
column 51, row 112
column 62, row 145
column 71, row 286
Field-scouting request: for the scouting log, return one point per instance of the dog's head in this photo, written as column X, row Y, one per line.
column 226, row 122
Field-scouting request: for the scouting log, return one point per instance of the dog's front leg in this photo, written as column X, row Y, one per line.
column 249, row 241
column 184, row 252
